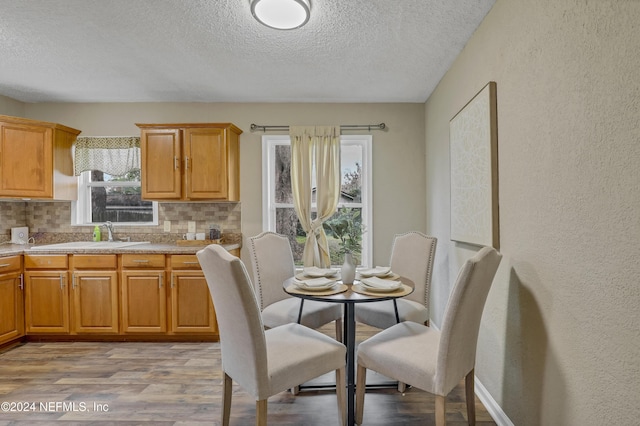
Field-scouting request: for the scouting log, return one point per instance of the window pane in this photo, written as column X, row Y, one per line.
column 118, row 203
column 351, row 159
column 132, row 176
column 283, row 174
column 335, row 230
column 287, row 223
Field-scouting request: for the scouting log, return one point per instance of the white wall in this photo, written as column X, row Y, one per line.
column 398, row 152
column 560, row 337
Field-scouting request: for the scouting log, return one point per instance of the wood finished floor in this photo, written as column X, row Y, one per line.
column 132, row 383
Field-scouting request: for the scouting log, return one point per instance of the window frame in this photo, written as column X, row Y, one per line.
column 81, row 208
column 269, row 142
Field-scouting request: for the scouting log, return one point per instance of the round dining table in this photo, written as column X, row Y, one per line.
column 349, row 295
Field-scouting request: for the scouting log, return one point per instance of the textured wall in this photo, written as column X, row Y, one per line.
column 10, row 106
column 560, row 337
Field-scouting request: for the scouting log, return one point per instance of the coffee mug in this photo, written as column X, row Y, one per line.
column 189, row 236
column 200, row 236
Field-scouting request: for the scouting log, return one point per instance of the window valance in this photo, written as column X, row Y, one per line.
column 114, row 155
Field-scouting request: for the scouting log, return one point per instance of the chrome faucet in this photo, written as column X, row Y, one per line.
column 109, row 227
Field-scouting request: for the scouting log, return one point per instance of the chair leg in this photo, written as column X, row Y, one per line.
column 226, row 398
column 341, row 393
column 261, row 412
column 339, row 330
column 361, row 383
column 440, row 410
column 470, row 397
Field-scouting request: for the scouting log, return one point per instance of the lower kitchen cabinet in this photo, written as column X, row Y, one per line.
column 46, row 306
column 47, row 302
column 95, row 302
column 11, row 299
column 143, row 294
column 94, row 294
column 146, row 294
column 190, row 301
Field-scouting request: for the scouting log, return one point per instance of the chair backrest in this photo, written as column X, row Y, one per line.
column 461, row 322
column 242, row 339
column 412, row 256
column 272, row 263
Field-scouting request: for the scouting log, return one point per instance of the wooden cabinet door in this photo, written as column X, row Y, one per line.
column 144, row 303
column 95, row 302
column 191, row 306
column 47, row 302
column 26, row 160
column 205, row 172
column 161, row 159
column 11, row 307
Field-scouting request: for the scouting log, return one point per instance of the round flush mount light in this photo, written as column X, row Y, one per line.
column 281, row 14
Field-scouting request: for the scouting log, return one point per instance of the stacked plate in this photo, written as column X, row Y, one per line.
column 315, row 272
column 316, row 279
column 379, row 279
column 378, row 271
column 314, row 284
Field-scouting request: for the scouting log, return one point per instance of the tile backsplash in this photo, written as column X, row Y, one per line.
column 51, row 221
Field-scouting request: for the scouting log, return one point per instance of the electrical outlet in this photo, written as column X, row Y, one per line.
column 191, row 226
column 167, row 226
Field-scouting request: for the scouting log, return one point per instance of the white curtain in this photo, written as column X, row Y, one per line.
column 114, row 155
column 319, row 146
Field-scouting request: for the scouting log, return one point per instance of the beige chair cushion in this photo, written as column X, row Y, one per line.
column 407, row 352
column 297, row 354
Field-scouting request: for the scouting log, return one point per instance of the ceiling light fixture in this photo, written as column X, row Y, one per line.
column 281, row 14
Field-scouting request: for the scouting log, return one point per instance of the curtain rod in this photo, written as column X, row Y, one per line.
column 369, row 127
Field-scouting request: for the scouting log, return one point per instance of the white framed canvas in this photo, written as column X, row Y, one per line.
column 473, row 145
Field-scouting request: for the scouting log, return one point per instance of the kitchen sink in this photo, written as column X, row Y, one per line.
column 89, row 245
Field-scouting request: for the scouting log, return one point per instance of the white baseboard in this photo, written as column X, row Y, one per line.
column 491, row 405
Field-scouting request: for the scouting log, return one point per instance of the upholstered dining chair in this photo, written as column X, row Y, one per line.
column 264, row 363
column 412, row 257
column 272, row 263
column 431, row 360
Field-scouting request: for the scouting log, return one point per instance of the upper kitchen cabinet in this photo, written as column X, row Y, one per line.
column 190, row 162
column 36, row 160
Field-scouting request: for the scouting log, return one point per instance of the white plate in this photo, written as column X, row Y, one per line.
column 302, row 277
column 315, row 272
column 379, row 285
column 314, row 284
column 378, row 271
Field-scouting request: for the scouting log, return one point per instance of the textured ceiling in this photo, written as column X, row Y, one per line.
column 214, row 51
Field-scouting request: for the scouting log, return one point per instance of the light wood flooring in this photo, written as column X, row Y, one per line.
column 134, row 383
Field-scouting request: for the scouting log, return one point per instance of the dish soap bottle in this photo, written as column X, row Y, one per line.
column 96, row 233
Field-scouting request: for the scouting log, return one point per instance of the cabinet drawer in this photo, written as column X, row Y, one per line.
column 101, row 261
column 184, row 261
column 43, row 261
column 10, row 263
column 142, row 261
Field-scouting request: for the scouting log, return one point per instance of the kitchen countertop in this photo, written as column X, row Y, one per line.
column 16, row 249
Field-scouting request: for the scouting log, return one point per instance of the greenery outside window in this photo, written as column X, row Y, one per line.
column 277, row 205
